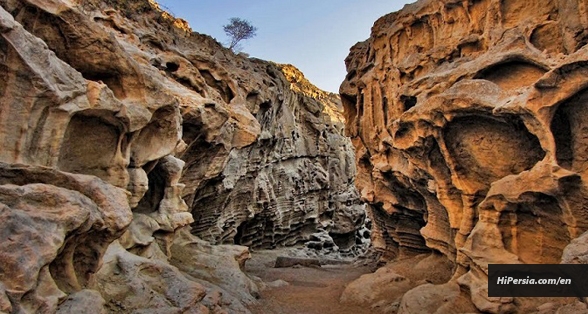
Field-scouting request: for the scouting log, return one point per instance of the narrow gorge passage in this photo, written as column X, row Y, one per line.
column 146, row 168
column 142, row 161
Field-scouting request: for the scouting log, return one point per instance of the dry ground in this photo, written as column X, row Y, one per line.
column 310, row 290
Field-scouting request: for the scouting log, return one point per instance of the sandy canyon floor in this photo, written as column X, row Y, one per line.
column 302, row 290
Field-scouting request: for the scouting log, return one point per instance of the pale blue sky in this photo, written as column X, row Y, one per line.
column 313, row 35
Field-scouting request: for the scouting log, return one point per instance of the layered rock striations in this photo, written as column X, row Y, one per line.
column 296, row 179
column 467, row 120
column 123, row 132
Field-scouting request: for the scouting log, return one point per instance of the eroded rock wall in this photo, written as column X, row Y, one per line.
column 467, row 121
column 124, row 133
column 87, row 127
column 296, row 179
column 266, row 159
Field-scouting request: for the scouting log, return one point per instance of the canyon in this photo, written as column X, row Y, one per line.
column 143, row 164
column 141, row 161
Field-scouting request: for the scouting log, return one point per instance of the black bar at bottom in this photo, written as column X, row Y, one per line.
column 545, row 280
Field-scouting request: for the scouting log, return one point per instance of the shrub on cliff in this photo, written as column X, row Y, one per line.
column 238, row 30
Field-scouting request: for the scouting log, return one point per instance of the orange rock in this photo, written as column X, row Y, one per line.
column 467, row 118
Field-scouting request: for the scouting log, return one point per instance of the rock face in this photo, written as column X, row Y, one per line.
column 467, row 118
column 294, row 180
column 83, row 126
column 120, row 128
column 56, row 228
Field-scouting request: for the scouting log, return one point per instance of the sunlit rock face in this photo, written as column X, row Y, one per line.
column 467, row 118
column 124, row 133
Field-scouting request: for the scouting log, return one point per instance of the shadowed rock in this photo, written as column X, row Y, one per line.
column 285, row 261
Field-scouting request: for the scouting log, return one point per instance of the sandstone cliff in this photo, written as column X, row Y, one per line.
column 296, row 179
column 467, row 118
column 121, row 127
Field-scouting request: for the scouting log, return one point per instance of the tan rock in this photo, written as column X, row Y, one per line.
column 374, row 288
column 57, row 227
column 98, row 97
column 85, row 301
column 126, row 280
column 221, row 265
column 253, row 129
column 466, row 119
column 576, row 252
column 138, row 185
column 383, row 290
column 438, row 299
column 105, row 113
